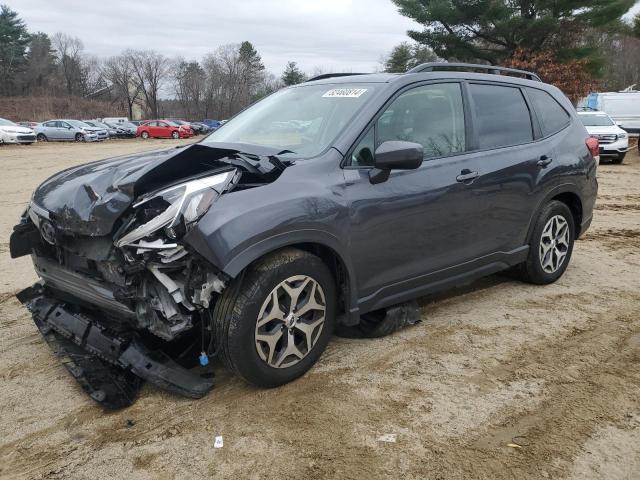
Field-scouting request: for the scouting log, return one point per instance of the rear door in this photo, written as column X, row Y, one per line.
column 509, row 161
column 50, row 130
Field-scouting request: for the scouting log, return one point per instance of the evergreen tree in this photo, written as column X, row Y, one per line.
column 40, row 64
column 292, row 74
column 14, row 40
column 492, row 30
column 405, row 56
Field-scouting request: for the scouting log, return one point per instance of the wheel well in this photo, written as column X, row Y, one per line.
column 335, row 264
column 337, row 268
column 572, row 201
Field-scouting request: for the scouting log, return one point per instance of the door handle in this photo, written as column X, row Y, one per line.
column 467, row 175
column 544, row 161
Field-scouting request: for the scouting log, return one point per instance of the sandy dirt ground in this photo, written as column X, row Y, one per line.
column 554, row 371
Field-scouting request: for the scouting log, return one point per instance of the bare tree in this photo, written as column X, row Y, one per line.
column 190, row 83
column 151, row 71
column 235, row 76
column 92, row 77
column 69, row 53
column 118, row 71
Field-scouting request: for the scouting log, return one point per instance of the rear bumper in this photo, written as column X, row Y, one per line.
column 108, row 365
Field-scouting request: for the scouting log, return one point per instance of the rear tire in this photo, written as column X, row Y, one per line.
column 550, row 246
column 258, row 335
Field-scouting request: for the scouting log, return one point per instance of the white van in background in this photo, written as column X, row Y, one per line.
column 115, row 120
column 623, row 107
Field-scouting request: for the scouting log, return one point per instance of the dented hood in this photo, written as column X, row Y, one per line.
column 90, row 198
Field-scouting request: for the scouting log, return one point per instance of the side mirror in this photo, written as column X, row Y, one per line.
column 395, row 155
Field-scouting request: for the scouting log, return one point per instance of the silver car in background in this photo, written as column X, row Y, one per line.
column 100, row 132
column 65, row 130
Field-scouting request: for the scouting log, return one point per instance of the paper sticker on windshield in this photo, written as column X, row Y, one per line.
column 345, row 93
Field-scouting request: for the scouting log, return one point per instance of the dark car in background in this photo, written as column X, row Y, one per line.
column 111, row 131
column 203, row 128
column 124, row 129
column 324, row 206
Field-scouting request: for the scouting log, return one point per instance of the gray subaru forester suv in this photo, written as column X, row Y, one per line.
column 321, row 207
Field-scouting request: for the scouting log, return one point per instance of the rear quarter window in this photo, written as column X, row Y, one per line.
column 551, row 115
column 501, row 115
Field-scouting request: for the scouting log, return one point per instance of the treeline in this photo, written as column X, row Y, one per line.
column 136, row 83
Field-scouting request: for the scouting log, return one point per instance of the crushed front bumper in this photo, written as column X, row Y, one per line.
column 109, row 366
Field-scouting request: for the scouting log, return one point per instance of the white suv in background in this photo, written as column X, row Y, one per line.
column 614, row 141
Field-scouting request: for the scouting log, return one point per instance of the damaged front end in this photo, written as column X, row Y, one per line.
column 134, row 303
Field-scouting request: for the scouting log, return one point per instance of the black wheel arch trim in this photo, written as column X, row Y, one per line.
column 238, row 262
column 550, row 195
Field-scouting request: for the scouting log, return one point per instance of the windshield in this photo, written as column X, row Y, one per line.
column 304, row 120
column 596, row 120
column 6, row 123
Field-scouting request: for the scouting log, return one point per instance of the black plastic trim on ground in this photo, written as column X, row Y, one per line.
column 109, row 368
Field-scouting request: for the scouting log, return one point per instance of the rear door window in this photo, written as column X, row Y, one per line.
column 502, row 116
column 551, row 115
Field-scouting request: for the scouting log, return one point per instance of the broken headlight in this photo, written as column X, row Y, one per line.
column 177, row 207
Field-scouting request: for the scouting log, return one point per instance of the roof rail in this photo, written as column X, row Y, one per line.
column 331, row 75
column 493, row 69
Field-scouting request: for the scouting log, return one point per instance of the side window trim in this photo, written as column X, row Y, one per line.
column 345, row 163
column 535, row 120
column 470, row 122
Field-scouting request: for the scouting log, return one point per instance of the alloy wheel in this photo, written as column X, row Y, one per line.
column 290, row 321
column 554, row 244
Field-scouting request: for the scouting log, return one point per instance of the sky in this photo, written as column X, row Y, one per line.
column 334, row 35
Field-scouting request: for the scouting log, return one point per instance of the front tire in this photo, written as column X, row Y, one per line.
column 551, row 245
column 41, row 137
column 175, row 135
column 80, row 137
column 273, row 323
column 144, row 135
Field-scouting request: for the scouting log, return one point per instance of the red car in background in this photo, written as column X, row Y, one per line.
column 163, row 129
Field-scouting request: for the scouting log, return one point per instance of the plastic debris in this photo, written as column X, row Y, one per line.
column 513, row 445
column 388, row 438
column 204, row 359
column 218, row 443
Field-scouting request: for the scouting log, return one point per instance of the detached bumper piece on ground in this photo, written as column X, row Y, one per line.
column 108, row 366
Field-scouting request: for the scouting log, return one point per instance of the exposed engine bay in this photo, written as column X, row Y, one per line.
column 118, row 278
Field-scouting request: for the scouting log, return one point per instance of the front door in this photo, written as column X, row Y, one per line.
column 419, row 222
column 67, row 132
